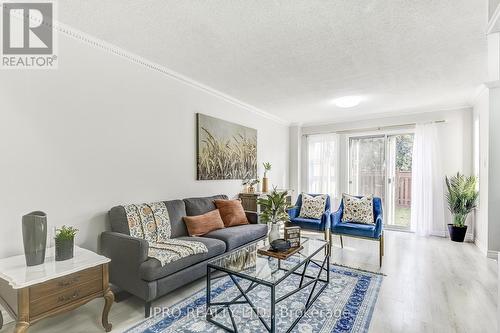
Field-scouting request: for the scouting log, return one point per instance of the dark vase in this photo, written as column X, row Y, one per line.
column 64, row 249
column 457, row 234
column 35, row 237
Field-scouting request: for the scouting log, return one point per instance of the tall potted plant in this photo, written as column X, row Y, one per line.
column 274, row 210
column 462, row 199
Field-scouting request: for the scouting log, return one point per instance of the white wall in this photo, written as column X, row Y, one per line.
column 493, row 174
column 101, row 131
column 455, row 136
column 481, row 114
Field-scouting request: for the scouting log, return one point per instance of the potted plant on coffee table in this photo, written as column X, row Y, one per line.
column 462, row 199
column 274, row 210
column 65, row 242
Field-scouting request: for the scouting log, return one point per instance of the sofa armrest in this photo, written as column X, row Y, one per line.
column 252, row 217
column 127, row 254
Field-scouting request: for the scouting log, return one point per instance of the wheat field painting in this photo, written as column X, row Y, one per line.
column 225, row 150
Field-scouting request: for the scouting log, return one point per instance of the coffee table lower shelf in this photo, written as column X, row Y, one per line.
column 214, row 308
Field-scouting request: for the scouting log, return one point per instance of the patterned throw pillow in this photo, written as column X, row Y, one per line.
column 312, row 207
column 358, row 210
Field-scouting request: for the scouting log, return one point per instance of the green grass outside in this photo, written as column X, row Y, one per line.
column 402, row 216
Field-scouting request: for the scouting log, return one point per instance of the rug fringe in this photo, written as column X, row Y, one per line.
column 358, row 269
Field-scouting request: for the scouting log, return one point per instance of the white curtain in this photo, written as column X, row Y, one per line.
column 322, row 165
column 427, row 195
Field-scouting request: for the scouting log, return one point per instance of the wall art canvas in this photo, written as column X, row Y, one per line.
column 225, row 150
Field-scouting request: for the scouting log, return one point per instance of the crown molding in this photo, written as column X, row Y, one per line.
column 389, row 114
column 141, row 61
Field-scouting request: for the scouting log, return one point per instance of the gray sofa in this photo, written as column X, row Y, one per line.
column 132, row 271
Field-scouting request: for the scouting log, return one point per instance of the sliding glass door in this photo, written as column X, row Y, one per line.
column 381, row 165
column 367, row 166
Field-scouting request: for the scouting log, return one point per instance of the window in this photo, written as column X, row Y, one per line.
column 322, row 170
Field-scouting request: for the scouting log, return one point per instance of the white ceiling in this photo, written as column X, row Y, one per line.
column 291, row 58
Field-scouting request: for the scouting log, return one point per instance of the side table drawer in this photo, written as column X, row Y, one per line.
column 69, row 281
column 69, row 295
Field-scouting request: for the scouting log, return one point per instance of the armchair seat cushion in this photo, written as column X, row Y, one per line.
column 151, row 269
column 355, row 229
column 237, row 236
column 306, row 223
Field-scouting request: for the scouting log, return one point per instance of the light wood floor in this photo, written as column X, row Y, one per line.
column 432, row 285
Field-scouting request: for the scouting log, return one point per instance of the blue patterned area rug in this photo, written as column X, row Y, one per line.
column 346, row 305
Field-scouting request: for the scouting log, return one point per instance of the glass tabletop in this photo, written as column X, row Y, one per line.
column 247, row 263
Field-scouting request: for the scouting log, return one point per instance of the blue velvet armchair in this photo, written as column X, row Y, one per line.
column 359, row 230
column 322, row 224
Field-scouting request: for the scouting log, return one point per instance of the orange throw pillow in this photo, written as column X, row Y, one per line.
column 232, row 212
column 202, row 224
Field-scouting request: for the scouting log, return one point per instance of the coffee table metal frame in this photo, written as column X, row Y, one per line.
column 323, row 265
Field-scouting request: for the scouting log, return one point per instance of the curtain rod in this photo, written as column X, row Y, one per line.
column 379, row 128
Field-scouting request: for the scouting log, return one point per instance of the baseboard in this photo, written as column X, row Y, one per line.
column 492, row 254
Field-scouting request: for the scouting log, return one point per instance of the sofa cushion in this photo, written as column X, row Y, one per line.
column 202, row 224
column 199, row 206
column 232, row 212
column 176, row 210
column 151, row 269
column 235, row 237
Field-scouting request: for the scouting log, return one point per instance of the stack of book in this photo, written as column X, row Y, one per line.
column 292, row 234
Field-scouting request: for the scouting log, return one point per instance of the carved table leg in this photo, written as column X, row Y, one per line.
column 23, row 313
column 21, row 327
column 109, row 297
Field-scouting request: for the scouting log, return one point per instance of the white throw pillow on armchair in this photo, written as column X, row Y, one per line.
column 358, row 210
column 312, row 207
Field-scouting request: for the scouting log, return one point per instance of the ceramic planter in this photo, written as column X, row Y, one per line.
column 265, row 184
column 64, row 249
column 35, row 237
column 275, row 232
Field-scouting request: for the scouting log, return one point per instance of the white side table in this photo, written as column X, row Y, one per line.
column 30, row 294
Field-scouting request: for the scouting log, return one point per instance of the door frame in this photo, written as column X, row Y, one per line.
column 376, row 134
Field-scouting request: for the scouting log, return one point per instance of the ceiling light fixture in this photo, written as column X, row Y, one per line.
column 347, row 101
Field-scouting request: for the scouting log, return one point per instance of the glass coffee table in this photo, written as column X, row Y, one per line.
column 309, row 269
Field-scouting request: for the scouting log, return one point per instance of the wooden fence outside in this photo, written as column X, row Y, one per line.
column 373, row 182
column 403, row 188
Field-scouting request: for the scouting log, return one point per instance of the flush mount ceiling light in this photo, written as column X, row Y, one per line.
column 347, row 101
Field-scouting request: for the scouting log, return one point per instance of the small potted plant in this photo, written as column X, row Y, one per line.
column 65, row 242
column 250, row 184
column 265, row 180
column 462, row 199
column 274, row 210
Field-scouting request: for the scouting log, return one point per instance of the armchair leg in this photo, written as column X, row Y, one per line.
column 341, row 242
column 381, row 249
column 147, row 309
column 383, row 244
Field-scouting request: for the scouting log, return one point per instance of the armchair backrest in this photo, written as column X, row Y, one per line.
column 377, row 205
column 299, row 201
